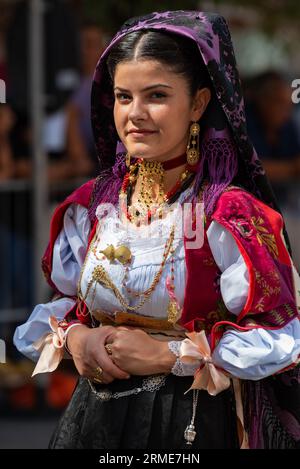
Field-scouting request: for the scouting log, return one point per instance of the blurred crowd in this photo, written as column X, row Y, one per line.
column 273, row 124
column 67, row 134
column 69, row 148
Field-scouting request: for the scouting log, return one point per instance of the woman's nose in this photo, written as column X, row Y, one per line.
column 137, row 110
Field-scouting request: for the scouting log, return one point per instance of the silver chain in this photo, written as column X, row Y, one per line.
column 150, row 383
column 195, row 401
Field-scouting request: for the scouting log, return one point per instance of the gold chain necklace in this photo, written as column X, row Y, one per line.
column 103, row 276
column 79, row 292
column 145, row 206
column 100, row 275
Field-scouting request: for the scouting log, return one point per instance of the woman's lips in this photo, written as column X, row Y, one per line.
column 141, row 133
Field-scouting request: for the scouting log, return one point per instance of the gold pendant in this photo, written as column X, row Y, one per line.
column 173, row 312
column 121, row 253
column 109, row 252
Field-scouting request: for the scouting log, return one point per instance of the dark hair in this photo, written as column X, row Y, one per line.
column 179, row 53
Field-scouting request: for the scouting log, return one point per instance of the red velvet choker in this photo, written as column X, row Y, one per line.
column 174, row 162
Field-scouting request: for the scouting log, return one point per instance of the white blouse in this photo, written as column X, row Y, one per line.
column 251, row 355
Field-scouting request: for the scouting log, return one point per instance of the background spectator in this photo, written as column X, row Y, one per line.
column 6, row 157
column 80, row 142
column 271, row 125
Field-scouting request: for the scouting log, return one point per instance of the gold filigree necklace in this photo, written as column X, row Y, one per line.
column 100, row 275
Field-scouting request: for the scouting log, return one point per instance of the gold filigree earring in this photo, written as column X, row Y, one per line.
column 193, row 153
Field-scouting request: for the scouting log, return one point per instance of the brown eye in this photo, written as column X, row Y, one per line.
column 158, row 95
column 122, row 96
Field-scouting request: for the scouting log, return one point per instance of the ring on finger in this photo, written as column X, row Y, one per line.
column 97, row 380
column 98, row 372
column 98, row 375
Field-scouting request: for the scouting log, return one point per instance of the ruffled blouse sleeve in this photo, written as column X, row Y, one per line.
column 257, row 353
column 69, row 249
column 68, row 256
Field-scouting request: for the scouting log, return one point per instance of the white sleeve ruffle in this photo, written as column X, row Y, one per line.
column 257, row 353
column 38, row 324
column 68, row 256
column 70, row 249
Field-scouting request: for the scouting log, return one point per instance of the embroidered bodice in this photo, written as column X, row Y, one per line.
column 248, row 355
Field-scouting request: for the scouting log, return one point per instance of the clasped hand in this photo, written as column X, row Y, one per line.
column 133, row 352
column 137, row 353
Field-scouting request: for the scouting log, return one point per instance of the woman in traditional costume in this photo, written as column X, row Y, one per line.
column 174, row 261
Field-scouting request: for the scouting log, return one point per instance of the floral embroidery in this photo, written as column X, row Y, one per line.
column 243, row 227
column 289, row 310
column 267, row 289
column 235, row 215
column 274, row 316
column 209, row 262
column 263, row 237
column 277, row 316
column 220, row 314
column 247, row 226
column 260, row 305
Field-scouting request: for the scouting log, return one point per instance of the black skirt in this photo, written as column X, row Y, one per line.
column 149, row 419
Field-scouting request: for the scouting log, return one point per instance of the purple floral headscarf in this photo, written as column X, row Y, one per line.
column 272, row 405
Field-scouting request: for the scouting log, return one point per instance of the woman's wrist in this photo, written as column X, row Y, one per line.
column 73, row 335
column 166, row 359
column 67, row 332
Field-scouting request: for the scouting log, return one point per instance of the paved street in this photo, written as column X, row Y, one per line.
column 25, row 434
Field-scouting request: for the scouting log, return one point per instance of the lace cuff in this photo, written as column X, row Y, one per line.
column 180, row 368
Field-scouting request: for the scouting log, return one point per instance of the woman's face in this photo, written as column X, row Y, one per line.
column 151, row 98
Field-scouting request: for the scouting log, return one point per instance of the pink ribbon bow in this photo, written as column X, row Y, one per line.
column 208, row 376
column 51, row 348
